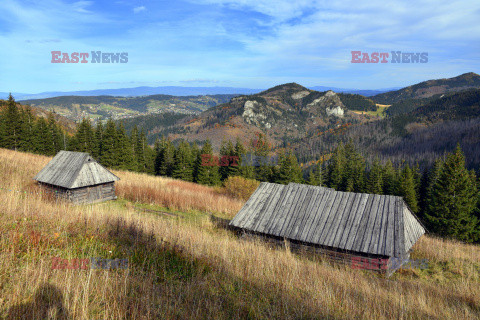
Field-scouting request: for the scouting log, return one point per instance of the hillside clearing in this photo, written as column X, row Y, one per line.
column 380, row 112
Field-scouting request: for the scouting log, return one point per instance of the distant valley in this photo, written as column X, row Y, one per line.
column 104, row 107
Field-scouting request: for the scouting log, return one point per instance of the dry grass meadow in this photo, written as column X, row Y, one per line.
column 182, row 266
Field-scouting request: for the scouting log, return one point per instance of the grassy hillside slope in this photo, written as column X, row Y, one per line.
column 182, row 266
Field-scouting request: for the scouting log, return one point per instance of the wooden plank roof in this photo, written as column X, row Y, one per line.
column 358, row 222
column 74, row 170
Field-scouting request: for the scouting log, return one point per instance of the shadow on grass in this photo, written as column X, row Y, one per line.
column 47, row 304
column 166, row 282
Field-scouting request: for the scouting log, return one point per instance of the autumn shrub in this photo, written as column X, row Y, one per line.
column 240, row 187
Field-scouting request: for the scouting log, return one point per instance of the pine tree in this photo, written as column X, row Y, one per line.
column 207, row 174
column 453, row 202
column 375, row 178
column 407, row 188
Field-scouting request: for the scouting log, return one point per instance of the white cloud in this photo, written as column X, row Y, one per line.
column 80, row 6
column 139, row 9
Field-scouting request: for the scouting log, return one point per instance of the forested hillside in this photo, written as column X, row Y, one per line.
column 420, row 136
column 430, row 88
column 154, row 125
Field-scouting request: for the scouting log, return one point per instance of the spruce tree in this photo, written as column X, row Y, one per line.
column 417, row 177
column 245, row 169
column 336, row 167
column 84, row 137
column 148, row 154
column 228, row 161
column 316, row 176
column 262, row 165
column 98, row 145
column 390, row 181
column 431, row 179
column 56, row 134
column 407, row 189
column 164, row 158
column 109, row 156
column 27, row 142
column 134, row 140
column 454, row 198
column 43, row 138
column 196, row 156
column 354, row 173
column 183, row 167
column 124, row 150
column 375, row 178
column 288, row 169
column 3, row 132
column 140, row 148
column 207, row 173
column 12, row 125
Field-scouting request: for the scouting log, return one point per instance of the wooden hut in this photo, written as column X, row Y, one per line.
column 77, row 177
column 352, row 226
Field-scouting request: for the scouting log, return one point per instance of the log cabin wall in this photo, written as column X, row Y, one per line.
column 92, row 194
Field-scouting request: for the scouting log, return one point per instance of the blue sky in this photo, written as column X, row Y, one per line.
column 235, row 43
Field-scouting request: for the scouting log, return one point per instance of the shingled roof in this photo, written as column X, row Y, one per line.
column 357, row 222
column 74, row 170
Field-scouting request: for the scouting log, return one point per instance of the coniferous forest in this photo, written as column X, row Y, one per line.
column 445, row 196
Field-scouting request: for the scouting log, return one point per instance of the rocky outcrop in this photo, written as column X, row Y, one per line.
column 300, row 95
column 331, row 102
column 252, row 114
column 337, row 111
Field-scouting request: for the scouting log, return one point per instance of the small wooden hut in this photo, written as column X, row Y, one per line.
column 347, row 226
column 77, row 177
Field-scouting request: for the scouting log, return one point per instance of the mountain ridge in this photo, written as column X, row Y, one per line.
column 430, row 88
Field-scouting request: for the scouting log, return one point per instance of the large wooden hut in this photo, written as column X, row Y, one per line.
column 77, row 177
column 343, row 224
